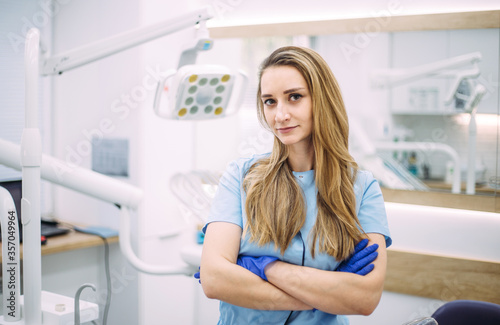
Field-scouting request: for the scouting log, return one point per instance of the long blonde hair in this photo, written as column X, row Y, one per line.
column 275, row 205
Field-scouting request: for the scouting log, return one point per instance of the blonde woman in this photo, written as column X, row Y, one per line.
column 282, row 222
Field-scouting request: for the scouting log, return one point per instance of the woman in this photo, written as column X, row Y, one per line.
column 281, row 222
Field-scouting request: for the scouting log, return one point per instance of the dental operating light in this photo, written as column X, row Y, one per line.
column 199, row 92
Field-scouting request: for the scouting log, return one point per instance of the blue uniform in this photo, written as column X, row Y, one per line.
column 229, row 206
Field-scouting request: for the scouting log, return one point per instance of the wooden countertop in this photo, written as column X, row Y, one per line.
column 70, row 241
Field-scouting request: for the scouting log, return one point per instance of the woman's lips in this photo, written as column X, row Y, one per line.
column 286, row 130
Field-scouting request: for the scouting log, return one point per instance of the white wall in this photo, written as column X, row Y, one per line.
column 166, row 149
column 84, row 101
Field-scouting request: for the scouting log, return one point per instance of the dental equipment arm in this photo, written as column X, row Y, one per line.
column 76, row 178
column 99, row 186
column 126, row 248
column 103, row 48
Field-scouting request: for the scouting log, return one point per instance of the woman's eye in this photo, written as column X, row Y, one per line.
column 268, row 102
column 295, row 97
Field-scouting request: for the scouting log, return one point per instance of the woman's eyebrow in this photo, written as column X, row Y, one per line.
column 285, row 92
column 292, row 90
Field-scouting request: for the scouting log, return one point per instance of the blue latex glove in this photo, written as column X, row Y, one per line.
column 360, row 261
column 255, row 265
column 197, row 275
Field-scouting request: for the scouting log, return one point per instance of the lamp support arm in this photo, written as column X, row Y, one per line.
column 123, row 41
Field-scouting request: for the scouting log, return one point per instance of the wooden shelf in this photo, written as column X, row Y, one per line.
column 442, row 277
column 487, row 203
column 71, row 241
column 440, row 185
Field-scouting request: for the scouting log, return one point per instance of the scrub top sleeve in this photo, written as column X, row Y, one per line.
column 226, row 205
column 372, row 215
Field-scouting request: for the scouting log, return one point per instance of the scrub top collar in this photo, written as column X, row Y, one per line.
column 305, row 178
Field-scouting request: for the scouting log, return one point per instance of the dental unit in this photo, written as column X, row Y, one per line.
column 196, row 92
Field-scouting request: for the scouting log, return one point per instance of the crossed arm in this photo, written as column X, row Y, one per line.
column 289, row 287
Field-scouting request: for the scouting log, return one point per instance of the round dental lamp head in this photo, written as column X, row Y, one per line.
column 199, row 92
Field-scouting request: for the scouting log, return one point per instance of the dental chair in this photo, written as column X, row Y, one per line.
column 462, row 312
column 466, row 312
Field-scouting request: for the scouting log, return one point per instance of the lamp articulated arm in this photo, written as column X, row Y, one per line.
column 115, row 44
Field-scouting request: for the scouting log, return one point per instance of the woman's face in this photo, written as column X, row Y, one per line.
column 287, row 105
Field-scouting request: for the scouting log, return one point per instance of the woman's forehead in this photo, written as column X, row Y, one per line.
column 281, row 78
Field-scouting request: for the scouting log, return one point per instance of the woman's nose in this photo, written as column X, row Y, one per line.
column 282, row 114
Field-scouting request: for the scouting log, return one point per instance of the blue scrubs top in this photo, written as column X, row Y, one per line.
column 229, row 206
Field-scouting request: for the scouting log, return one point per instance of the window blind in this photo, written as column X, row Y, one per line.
column 16, row 17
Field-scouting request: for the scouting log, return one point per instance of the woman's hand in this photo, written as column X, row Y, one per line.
column 223, row 279
column 256, row 265
column 360, row 262
column 343, row 293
